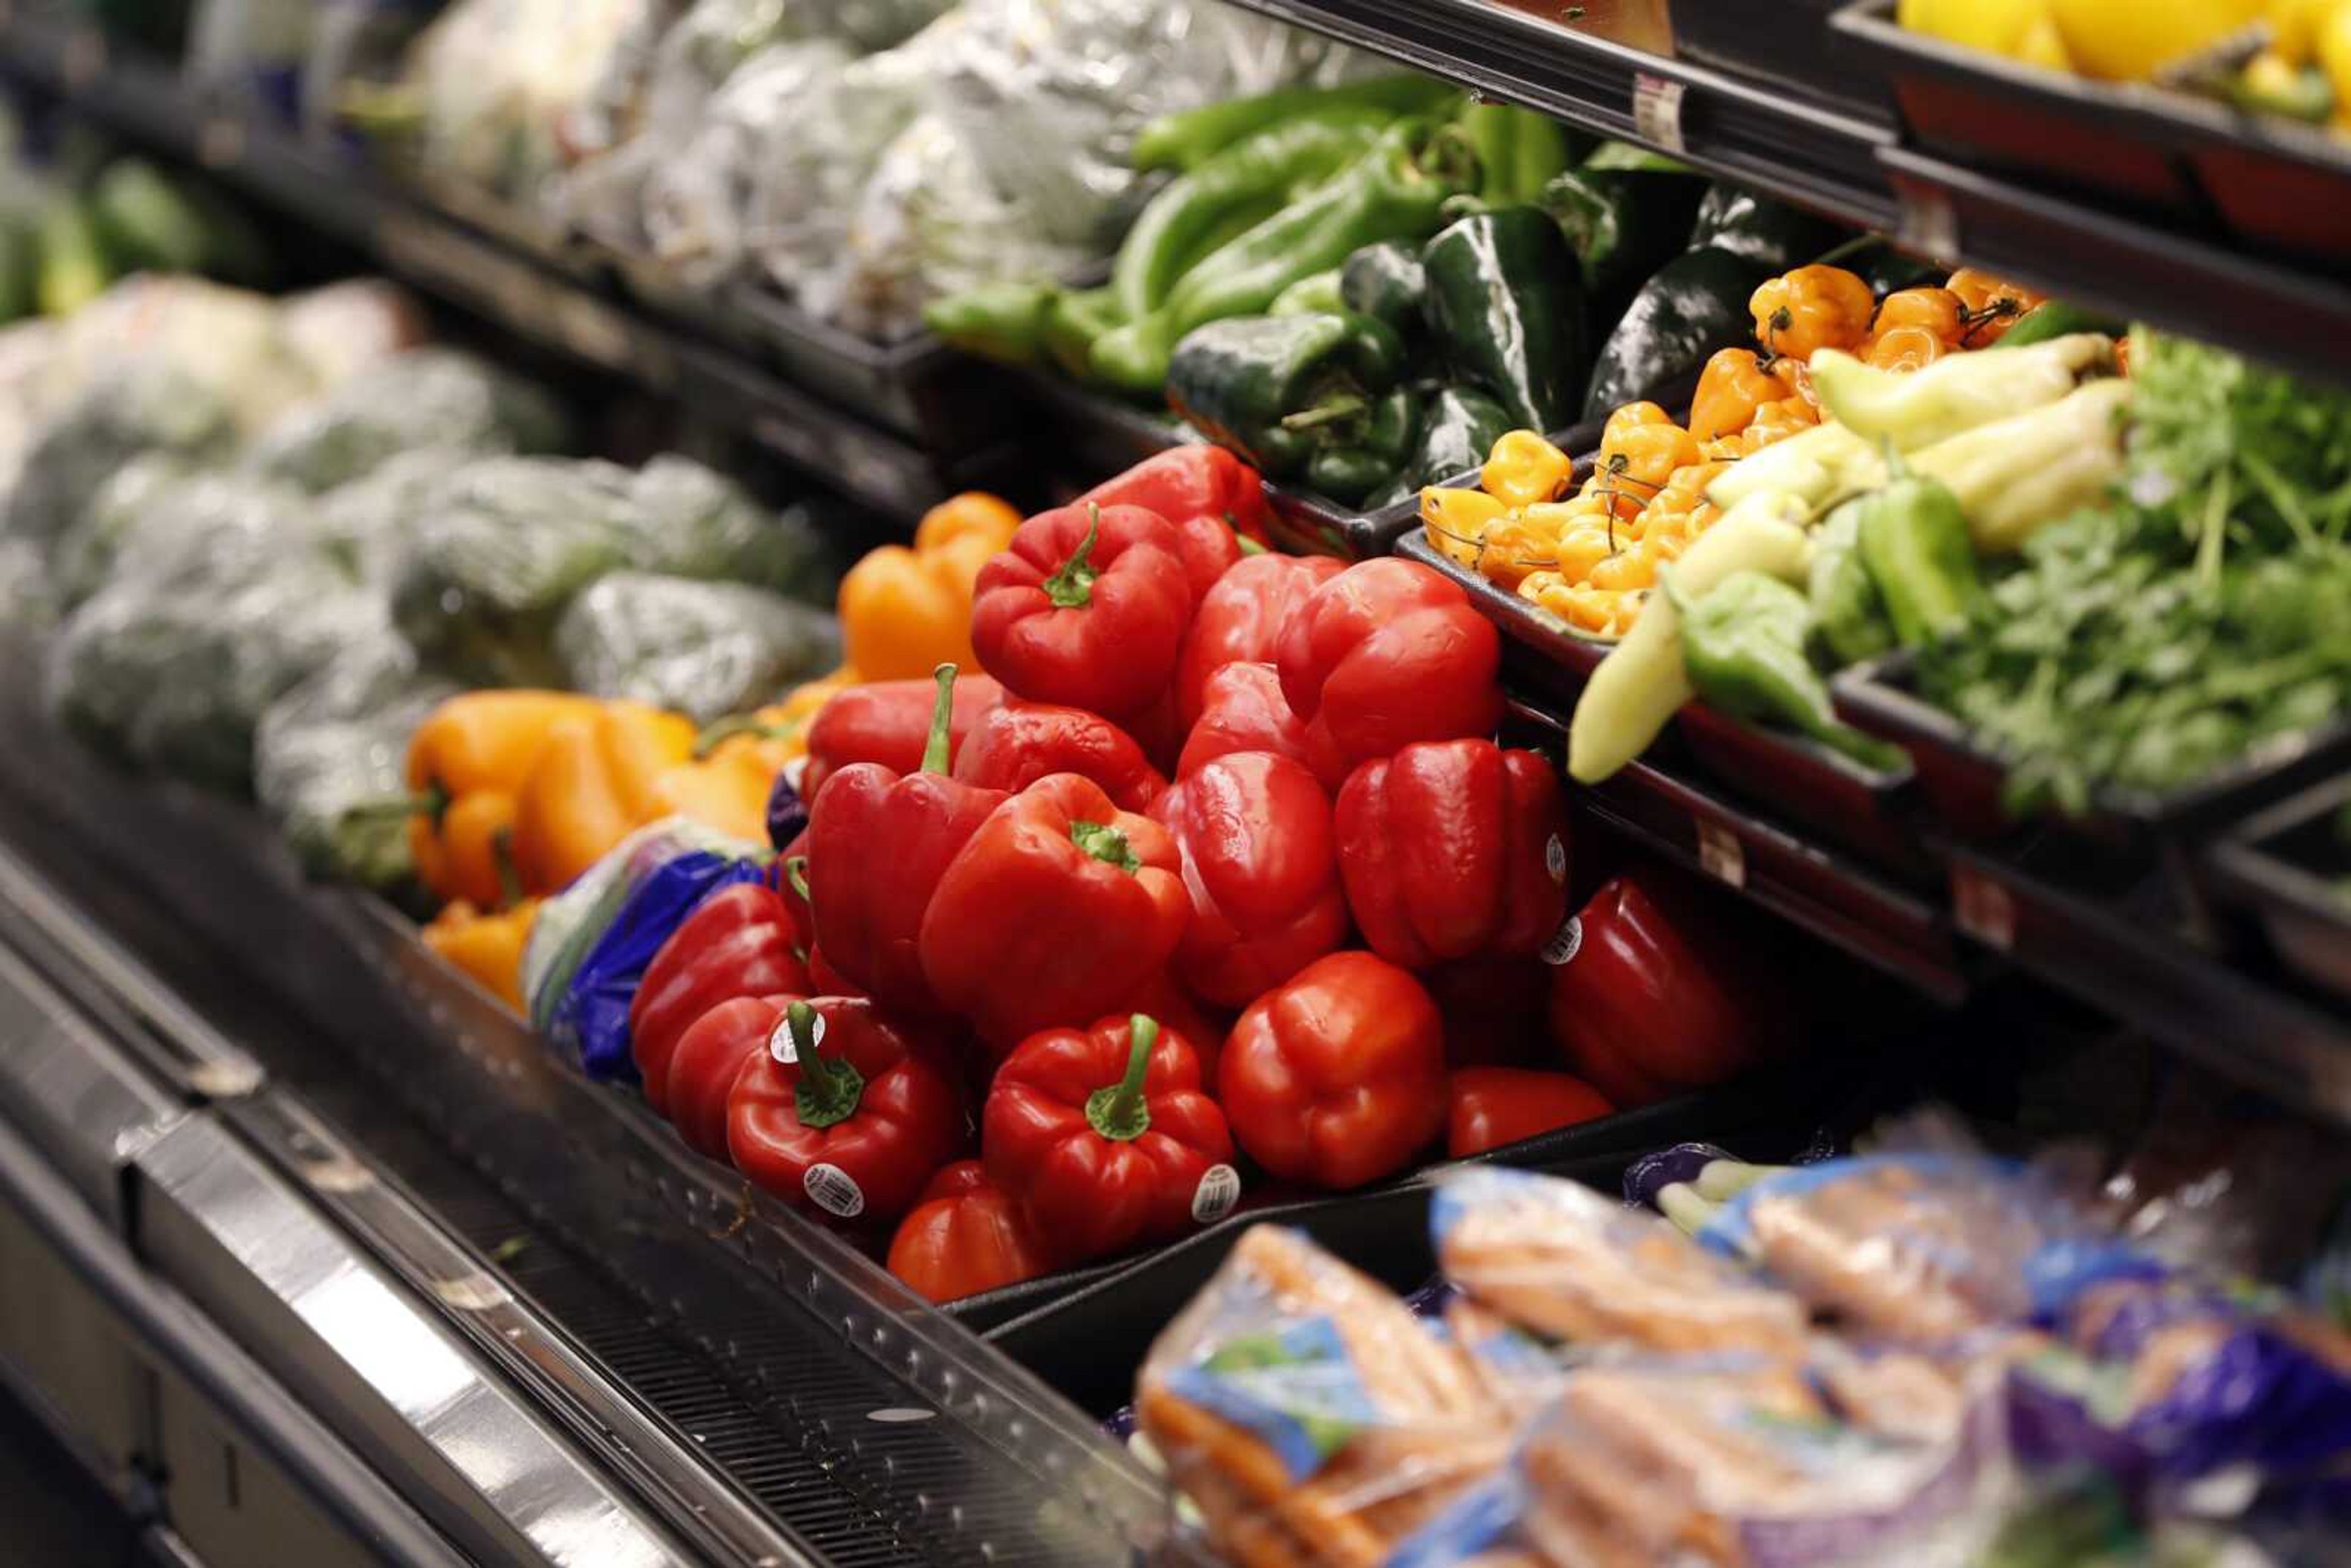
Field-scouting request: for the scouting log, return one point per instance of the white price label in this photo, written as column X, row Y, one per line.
column 782, row 1046
column 1566, row 943
column 1720, row 854
column 1926, row 223
column 1982, row 908
column 834, row 1190
column 1220, row 1189
column 1555, row 859
column 1658, row 111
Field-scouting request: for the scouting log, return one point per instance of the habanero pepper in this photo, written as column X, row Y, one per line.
column 1244, row 711
column 842, row 1113
column 1336, row 1077
column 1105, row 1137
column 964, row 1237
column 738, row 942
column 1387, row 652
column 1239, row 620
column 1087, row 607
column 1058, row 907
column 1262, row 867
column 879, row 842
column 1812, row 307
column 889, row 722
column 1495, row 1106
column 706, row 1058
column 1454, row 848
column 467, row 762
column 1021, row 742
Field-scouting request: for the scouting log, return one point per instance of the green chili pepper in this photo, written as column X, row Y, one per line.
column 1187, row 139
column 1743, row 648
column 1315, row 293
column 1318, row 396
column 1505, row 302
column 1074, row 319
column 996, row 320
column 1914, row 540
column 1519, row 150
column 1386, row 282
column 1246, row 183
column 1848, row 615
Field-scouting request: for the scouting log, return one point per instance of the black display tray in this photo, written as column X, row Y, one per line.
column 1788, row 45
column 2291, row 867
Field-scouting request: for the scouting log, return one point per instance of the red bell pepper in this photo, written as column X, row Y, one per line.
column 1452, row 848
column 1105, row 1137
column 877, row 846
column 1493, row 1106
column 710, row 1056
column 1668, row 987
column 1186, row 482
column 1254, row 831
column 789, row 875
column 841, row 1112
column 1243, row 710
column 1496, row 1010
column 738, row 942
column 1087, row 608
column 1387, row 652
column 889, row 722
column 1239, row 620
column 1165, row 997
column 1060, row 908
column 1337, row 1077
column 964, row 1236
column 1022, row 742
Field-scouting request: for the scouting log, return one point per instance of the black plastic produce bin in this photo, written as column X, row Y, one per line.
column 1789, row 45
column 2290, row 866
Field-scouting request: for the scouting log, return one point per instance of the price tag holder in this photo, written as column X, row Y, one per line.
column 1983, row 909
column 1721, row 854
column 1926, row 223
column 1657, row 109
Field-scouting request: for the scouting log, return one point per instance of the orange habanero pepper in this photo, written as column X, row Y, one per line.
column 1731, row 389
column 1810, row 308
column 1989, row 306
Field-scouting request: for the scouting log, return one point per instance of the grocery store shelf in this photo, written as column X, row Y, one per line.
column 708, row 368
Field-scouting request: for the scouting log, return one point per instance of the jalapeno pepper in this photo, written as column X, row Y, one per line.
column 1848, row 615
column 1914, row 543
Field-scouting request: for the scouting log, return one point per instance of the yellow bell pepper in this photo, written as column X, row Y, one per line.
column 2130, row 40
column 777, row 732
column 596, row 780
column 1997, row 26
column 904, row 611
column 486, row 946
column 2335, row 54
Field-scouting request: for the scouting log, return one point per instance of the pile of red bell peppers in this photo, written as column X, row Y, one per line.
column 1217, row 880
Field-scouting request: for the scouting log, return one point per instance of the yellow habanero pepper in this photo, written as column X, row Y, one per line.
column 904, row 611
column 598, row 780
column 1729, row 390
column 1812, row 307
column 1524, row 470
column 465, row 763
column 486, row 946
column 1457, row 520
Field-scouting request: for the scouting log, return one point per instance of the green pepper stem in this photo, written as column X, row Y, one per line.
column 935, row 744
column 829, row 1087
column 1106, row 845
column 1857, row 244
column 796, row 873
column 1119, row 1111
column 502, row 857
column 739, row 724
column 1346, row 405
column 433, row 802
column 1072, row 587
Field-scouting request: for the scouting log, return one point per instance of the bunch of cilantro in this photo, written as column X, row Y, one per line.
column 2202, row 616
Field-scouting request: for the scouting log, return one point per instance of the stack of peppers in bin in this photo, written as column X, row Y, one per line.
column 1217, row 886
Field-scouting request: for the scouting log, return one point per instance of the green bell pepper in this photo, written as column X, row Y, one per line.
column 1189, row 138
column 1518, row 152
column 1316, row 294
column 1743, row 648
column 1395, row 191
column 1386, row 282
column 1505, row 302
column 1913, row 542
column 1314, row 396
column 1244, row 184
column 1848, row 616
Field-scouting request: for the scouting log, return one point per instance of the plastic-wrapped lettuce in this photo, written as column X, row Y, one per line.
column 150, row 496
column 425, row 398
column 26, row 601
column 497, row 555
column 366, row 525
column 690, row 520
column 123, row 414
column 331, row 751
column 231, row 342
column 705, row 649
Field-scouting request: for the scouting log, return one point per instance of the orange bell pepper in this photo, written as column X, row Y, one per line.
column 1810, row 308
column 729, row 789
column 466, row 763
column 904, row 611
column 1989, row 306
column 488, row 947
column 777, row 732
column 1729, row 390
column 597, row 780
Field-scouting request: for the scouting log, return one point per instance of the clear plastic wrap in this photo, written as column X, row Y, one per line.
column 438, row 398
column 330, row 754
column 1565, row 1261
column 141, row 493
column 121, row 415
column 342, row 329
column 1309, row 1415
column 228, row 341
column 704, row 649
column 368, row 525
column 687, row 520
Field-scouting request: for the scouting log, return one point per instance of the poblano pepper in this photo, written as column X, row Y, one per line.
column 1848, row 616
column 1397, row 190
column 1621, row 224
column 1458, row 427
column 1317, row 397
column 1914, row 541
column 1743, row 648
column 1386, row 282
column 1505, row 305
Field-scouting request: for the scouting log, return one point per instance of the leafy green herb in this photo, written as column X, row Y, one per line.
column 2201, row 615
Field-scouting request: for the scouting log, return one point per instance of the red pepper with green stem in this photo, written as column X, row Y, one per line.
column 1021, row 742
column 843, row 1112
column 1239, row 620
column 1105, row 1136
column 889, row 722
column 1215, row 502
column 1261, row 865
column 707, row 1058
column 741, row 941
column 1087, row 608
column 1336, row 1077
column 1058, row 908
column 879, row 842
column 965, row 1235
column 1454, row 848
